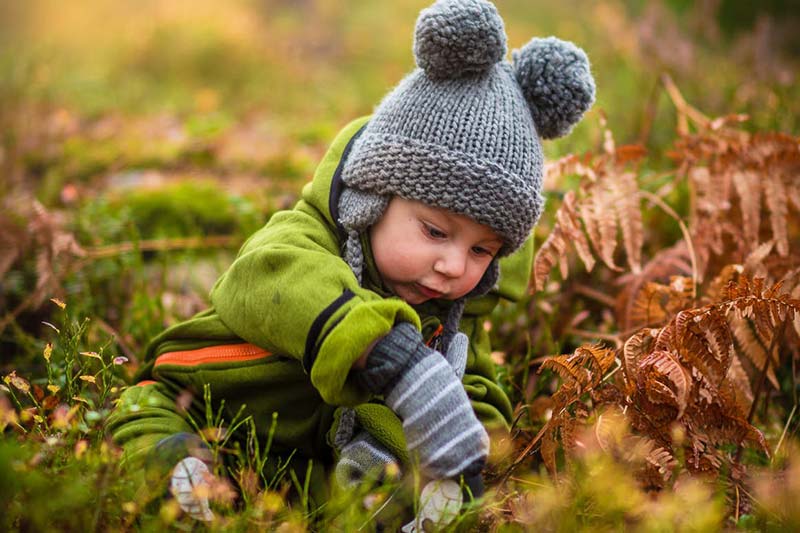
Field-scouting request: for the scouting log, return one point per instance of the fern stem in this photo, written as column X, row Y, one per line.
column 685, row 111
column 594, row 294
column 762, row 379
column 764, row 368
column 594, row 335
column 525, row 453
column 783, row 434
column 686, row 235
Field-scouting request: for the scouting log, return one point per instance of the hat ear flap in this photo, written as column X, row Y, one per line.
column 557, row 83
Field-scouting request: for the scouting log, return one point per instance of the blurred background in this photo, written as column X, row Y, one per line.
column 181, row 125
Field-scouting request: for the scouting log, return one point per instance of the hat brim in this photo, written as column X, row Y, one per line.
column 457, row 181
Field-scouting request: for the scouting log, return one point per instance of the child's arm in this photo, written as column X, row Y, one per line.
column 291, row 293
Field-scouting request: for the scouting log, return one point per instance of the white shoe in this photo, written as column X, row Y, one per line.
column 440, row 502
column 190, row 487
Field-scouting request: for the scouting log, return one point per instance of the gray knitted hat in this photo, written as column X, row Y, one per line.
column 461, row 131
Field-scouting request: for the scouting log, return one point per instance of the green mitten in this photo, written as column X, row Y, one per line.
column 364, row 459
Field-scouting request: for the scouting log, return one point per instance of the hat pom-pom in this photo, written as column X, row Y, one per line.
column 556, row 81
column 459, row 38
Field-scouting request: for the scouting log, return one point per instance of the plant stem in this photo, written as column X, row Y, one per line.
column 686, row 235
column 595, row 335
column 761, row 380
column 594, row 294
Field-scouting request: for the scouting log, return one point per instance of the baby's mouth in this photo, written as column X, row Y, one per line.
column 428, row 292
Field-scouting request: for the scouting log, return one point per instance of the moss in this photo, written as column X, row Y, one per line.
column 190, row 207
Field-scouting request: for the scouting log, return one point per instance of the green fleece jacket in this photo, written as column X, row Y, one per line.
column 290, row 293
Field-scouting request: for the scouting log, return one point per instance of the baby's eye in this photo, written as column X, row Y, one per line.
column 480, row 250
column 435, row 232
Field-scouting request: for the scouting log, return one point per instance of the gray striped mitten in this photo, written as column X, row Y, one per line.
column 420, row 386
column 364, row 459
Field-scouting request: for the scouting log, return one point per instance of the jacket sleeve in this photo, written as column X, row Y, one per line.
column 490, row 401
column 290, row 292
column 145, row 414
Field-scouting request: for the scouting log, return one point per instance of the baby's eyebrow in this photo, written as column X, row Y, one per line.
column 491, row 243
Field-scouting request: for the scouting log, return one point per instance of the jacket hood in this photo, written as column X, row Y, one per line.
column 325, row 189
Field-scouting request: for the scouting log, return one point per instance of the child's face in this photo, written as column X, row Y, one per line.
column 426, row 252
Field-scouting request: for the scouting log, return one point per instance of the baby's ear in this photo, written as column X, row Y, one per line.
column 556, row 81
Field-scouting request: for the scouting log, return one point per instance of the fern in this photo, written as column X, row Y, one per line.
column 685, row 373
column 606, row 204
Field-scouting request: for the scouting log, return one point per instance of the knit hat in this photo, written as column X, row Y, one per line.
column 461, row 132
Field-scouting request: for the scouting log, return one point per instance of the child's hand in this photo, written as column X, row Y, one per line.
column 421, row 387
column 190, row 486
column 364, row 458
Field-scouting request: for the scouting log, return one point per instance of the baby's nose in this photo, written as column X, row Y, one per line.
column 452, row 264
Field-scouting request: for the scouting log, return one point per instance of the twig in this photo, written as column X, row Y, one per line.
column 162, row 245
column 608, row 376
column 656, row 177
column 103, row 252
column 106, row 327
column 595, row 335
column 649, row 114
column 764, row 368
column 686, row 236
column 684, row 109
column 539, row 360
column 524, row 453
column 595, row 295
column 762, row 379
column 794, row 379
column 783, row 433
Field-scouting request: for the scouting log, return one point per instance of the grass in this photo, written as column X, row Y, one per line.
column 147, row 129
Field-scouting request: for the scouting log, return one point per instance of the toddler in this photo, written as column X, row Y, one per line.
column 356, row 317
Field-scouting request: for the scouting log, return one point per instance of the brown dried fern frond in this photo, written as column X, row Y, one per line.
column 683, row 375
column 740, row 383
column 581, row 372
column 753, row 349
column 699, row 343
column 765, row 307
column 584, row 368
column 55, row 251
column 737, row 181
column 664, row 381
column 652, row 464
column 14, row 240
column 606, row 204
column 630, row 303
column 655, row 303
column 704, row 341
column 566, row 231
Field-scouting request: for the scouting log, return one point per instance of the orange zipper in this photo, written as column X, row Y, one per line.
column 231, row 353
column 435, row 336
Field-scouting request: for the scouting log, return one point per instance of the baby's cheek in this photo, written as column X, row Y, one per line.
column 471, row 279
